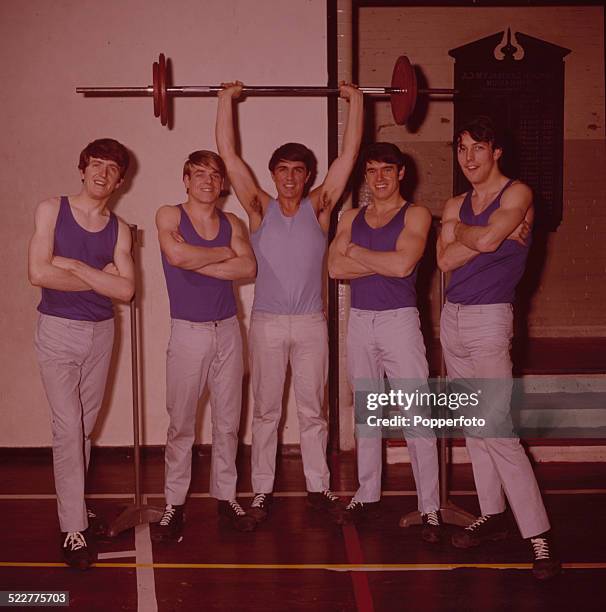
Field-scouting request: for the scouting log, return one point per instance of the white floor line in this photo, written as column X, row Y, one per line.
column 401, row 493
column 117, row 555
column 396, row 493
column 53, row 496
column 146, row 583
column 574, row 491
column 110, row 496
column 25, row 496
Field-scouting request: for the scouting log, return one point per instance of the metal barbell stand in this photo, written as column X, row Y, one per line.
column 137, row 513
column 450, row 512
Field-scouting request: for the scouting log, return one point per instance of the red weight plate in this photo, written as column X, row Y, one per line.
column 162, row 88
column 403, row 77
column 156, row 90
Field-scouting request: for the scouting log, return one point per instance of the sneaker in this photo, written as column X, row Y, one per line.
column 544, row 566
column 357, row 511
column 486, row 528
column 259, row 508
column 97, row 526
column 326, row 501
column 234, row 513
column 432, row 527
column 76, row 552
column 170, row 526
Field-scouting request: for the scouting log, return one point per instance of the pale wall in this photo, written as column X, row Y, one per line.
column 49, row 48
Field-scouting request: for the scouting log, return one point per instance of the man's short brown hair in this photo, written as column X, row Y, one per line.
column 204, row 158
column 481, row 129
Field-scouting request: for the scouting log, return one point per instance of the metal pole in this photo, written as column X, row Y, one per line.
column 137, row 513
column 135, row 378
column 450, row 512
column 443, row 458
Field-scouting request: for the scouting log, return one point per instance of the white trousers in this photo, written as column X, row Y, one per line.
column 74, row 358
column 476, row 342
column 390, row 342
column 201, row 353
column 275, row 340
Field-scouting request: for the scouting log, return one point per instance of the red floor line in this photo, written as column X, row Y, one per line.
column 361, row 587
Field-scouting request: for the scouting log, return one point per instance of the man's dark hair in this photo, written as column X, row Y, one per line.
column 295, row 152
column 105, row 148
column 384, row 152
column 481, row 129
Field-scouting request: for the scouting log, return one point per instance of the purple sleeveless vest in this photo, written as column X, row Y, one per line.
column 196, row 297
column 290, row 252
column 489, row 278
column 93, row 248
column 378, row 292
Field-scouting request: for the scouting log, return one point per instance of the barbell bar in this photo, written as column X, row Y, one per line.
column 403, row 91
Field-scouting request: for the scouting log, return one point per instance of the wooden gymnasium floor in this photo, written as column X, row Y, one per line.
column 297, row 560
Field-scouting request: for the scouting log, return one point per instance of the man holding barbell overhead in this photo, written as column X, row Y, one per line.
column 378, row 249
column 80, row 256
column 288, row 234
column 484, row 243
column 203, row 251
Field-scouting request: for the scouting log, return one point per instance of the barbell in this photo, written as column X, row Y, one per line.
column 403, row 91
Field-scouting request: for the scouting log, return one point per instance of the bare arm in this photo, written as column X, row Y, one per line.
column 340, row 265
column 177, row 251
column 243, row 265
column 325, row 196
column 253, row 199
column 451, row 254
column 515, row 203
column 41, row 270
column 117, row 280
column 409, row 247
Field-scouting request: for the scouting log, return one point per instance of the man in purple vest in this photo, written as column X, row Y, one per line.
column 203, row 251
column 80, row 256
column 288, row 324
column 484, row 243
column 378, row 249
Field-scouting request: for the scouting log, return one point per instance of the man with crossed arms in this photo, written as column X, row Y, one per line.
column 80, row 256
column 378, row 249
column 484, row 243
column 203, row 251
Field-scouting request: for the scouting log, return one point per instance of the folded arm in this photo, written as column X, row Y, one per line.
column 117, row 279
column 410, row 247
column 41, row 271
column 340, row 265
column 452, row 254
column 178, row 252
column 459, row 243
column 243, row 265
column 514, row 205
